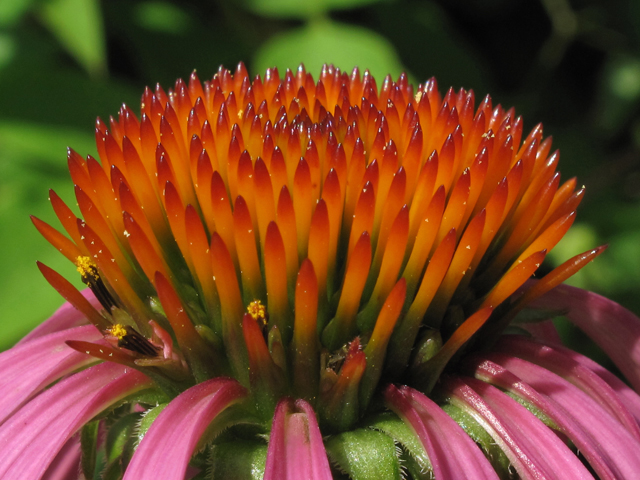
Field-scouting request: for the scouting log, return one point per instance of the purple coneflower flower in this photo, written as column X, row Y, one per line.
column 290, row 279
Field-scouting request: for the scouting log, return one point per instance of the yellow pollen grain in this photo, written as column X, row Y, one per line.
column 240, row 113
column 118, row 330
column 86, row 267
column 257, row 311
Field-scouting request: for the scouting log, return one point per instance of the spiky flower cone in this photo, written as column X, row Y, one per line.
column 300, row 279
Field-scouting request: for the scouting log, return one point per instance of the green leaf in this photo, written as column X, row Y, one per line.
column 8, row 49
column 620, row 95
column 301, row 9
column 365, row 454
column 324, row 41
column 12, row 11
column 162, row 17
column 77, row 24
column 238, row 460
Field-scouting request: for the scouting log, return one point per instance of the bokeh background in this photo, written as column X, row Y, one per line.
column 574, row 65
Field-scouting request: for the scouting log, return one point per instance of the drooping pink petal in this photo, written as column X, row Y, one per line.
column 67, row 316
column 166, row 449
column 451, row 451
column 561, row 364
column 531, row 447
column 66, row 465
column 629, row 397
column 578, row 433
column 613, row 328
column 606, row 439
column 296, row 449
column 29, row 367
column 33, row 436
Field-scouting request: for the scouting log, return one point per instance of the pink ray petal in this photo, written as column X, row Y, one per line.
column 66, row 465
column 67, row 316
column 627, row 396
column 451, row 451
column 579, row 375
column 166, row 449
column 612, row 327
column 531, row 447
column 296, row 450
column 33, row 436
column 612, row 451
column 29, row 367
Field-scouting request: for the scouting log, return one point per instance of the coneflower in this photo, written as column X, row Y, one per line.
column 294, row 279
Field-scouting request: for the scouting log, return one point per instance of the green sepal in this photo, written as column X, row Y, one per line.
column 88, row 447
column 147, row 419
column 394, row 427
column 492, row 451
column 119, row 442
column 113, row 471
column 365, row 455
column 539, row 414
column 168, row 388
column 238, row 460
column 411, row 466
column 233, row 418
column 149, row 396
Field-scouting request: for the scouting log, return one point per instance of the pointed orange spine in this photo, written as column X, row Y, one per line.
column 382, row 281
column 376, row 348
column 275, row 267
column 68, row 220
column 286, row 221
column 319, row 245
column 245, row 243
column 59, row 241
column 420, row 248
column 303, row 201
column 199, row 251
column 222, row 215
column 458, row 269
column 456, row 206
column 143, row 249
column 343, row 325
column 305, row 343
column 513, row 279
column 363, row 217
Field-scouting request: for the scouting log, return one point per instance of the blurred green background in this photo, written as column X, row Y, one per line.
column 574, row 65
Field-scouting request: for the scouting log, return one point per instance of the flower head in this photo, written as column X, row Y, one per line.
column 299, row 279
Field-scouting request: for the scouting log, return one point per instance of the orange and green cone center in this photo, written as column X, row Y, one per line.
column 314, row 239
